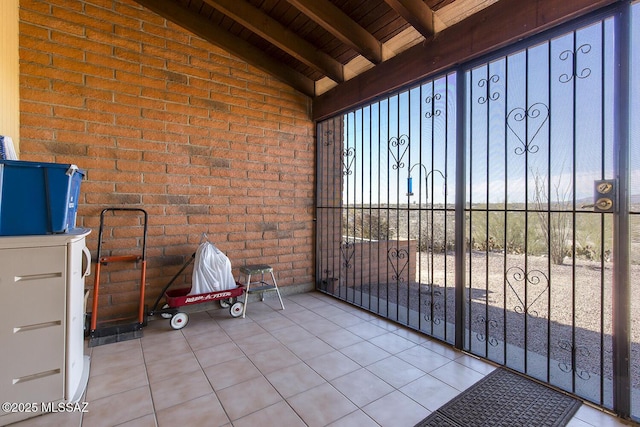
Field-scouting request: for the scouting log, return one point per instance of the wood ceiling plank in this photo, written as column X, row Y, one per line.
column 497, row 26
column 271, row 30
column 342, row 27
column 202, row 27
column 416, row 13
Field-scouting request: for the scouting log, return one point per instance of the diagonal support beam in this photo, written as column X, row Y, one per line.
column 202, row 27
column 271, row 30
column 335, row 21
column 416, row 13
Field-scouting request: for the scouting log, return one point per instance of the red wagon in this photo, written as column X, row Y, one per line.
column 180, row 297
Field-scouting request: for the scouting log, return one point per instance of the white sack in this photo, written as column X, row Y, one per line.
column 211, row 271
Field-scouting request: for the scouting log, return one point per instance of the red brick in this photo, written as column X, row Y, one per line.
column 164, row 120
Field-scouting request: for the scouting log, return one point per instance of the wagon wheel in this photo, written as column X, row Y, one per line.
column 166, row 315
column 236, row 309
column 179, row 320
column 226, row 303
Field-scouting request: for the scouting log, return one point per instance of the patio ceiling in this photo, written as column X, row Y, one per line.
column 355, row 50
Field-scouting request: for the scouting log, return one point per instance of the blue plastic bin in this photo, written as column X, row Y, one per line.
column 38, row 198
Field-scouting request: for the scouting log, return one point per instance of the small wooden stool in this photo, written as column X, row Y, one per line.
column 258, row 285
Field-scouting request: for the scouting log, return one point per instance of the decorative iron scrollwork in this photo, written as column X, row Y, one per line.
column 329, row 138
column 536, row 116
column 573, row 54
column 431, row 304
column 533, row 278
column 486, row 325
column 398, row 154
column 348, row 156
column 490, row 96
column 431, row 101
column 574, row 351
column 347, row 250
column 399, row 260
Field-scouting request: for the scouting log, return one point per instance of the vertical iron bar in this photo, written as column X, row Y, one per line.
column 602, row 216
column 621, row 286
column 549, row 211
column 573, row 220
column 526, row 210
column 460, row 201
column 506, row 213
column 445, row 286
column 486, row 226
column 318, row 217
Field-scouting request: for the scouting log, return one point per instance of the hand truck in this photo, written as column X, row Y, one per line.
column 116, row 330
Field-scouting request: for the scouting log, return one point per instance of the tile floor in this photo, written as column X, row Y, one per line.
column 319, row 362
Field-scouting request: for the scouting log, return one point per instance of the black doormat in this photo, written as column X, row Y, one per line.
column 504, row 398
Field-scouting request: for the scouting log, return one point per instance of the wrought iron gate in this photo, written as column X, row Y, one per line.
column 464, row 208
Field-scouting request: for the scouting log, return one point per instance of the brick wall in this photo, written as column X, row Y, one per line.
column 163, row 120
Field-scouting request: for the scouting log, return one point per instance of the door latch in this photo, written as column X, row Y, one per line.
column 605, row 196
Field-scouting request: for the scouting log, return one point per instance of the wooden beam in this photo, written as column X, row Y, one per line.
column 345, row 29
column 416, row 13
column 271, row 30
column 202, row 27
column 497, row 26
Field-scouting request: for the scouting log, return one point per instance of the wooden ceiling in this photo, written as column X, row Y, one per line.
column 314, row 45
column 324, row 48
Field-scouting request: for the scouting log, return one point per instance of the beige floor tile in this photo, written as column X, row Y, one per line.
column 366, row 330
column 346, row 320
column 173, row 344
column 292, row 334
column 62, row 419
column 321, row 405
column 257, row 343
column 362, row 387
column 355, row 419
column 430, row 392
column 221, row 353
column 598, row 418
column 395, row 371
column 310, row 348
column 423, row 359
column 332, row 365
column 364, row 353
column 457, row 376
column 248, row 397
column 202, row 411
column 392, row 343
column 294, row 379
column 320, row 326
column 179, row 389
column 119, row 408
column 199, row 326
column 104, row 362
column 207, row 339
column 178, row 365
column 274, row 323
column 116, row 381
column 396, row 410
column 145, row 421
column 476, row 364
column 277, row 415
column 232, row 372
column 339, row 338
column 274, row 359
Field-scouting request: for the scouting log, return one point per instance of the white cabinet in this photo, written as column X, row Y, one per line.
column 42, row 320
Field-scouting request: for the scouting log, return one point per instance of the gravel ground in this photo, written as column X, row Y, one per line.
column 561, row 319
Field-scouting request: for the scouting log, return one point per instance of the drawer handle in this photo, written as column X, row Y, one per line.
column 36, row 326
column 36, row 376
column 38, row 277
